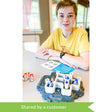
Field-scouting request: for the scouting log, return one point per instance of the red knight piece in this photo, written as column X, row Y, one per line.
column 52, row 78
column 25, row 76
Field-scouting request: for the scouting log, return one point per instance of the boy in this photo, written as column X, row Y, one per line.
column 67, row 44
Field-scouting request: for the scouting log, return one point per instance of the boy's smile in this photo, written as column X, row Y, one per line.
column 66, row 18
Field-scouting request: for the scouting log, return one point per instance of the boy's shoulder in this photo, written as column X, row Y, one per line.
column 57, row 31
column 80, row 30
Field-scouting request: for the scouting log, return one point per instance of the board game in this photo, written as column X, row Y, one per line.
column 59, row 87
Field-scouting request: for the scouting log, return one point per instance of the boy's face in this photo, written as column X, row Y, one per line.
column 66, row 18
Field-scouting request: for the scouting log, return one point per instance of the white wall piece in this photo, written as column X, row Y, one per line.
column 60, row 82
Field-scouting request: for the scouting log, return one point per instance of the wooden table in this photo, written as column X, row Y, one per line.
column 33, row 65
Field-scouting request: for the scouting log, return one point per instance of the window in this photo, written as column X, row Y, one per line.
column 31, row 15
column 55, row 22
column 88, row 18
column 82, row 17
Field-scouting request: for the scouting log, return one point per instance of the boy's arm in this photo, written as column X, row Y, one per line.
column 74, row 61
column 82, row 61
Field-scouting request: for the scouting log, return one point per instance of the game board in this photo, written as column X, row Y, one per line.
column 57, row 66
column 59, row 87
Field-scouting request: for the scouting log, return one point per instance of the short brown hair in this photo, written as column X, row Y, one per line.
column 66, row 3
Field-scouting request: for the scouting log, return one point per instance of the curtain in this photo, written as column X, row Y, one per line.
column 27, row 6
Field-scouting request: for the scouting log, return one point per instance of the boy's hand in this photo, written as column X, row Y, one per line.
column 42, row 51
column 53, row 53
column 66, row 63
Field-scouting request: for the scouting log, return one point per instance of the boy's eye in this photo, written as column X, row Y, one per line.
column 61, row 16
column 70, row 16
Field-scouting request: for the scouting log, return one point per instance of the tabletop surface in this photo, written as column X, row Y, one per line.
column 33, row 65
